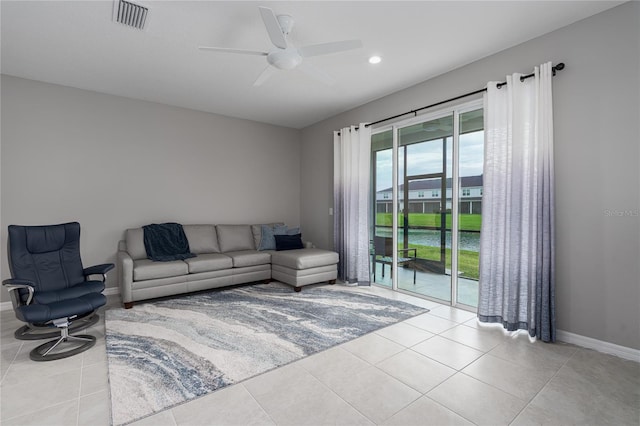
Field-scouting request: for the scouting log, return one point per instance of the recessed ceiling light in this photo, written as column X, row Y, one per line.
column 375, row 60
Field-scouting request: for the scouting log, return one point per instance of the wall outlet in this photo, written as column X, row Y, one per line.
column 330, row 211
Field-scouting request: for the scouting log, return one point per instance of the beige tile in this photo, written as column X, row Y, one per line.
column 48, row 390
column 292, row 396
column 425, row 411
column 448, row 352
column 22, row 365
column 482, row 340
column 376, row 394
column 476, row 401
column 333, row 366
column 520, row 381
column 95, row 409
column 615, row 377
column 431, row 323
column 475, row 323
column 453, row 314
column 94, row 379
column 588, row 401
column 415, row 370
column 405, row 334
column 7, row 355
column 373, row 348
column 95, row 355
column 8, row 325
column 521, row 351
column 61, row 414
column 230, row 406
column 163, row 418
column 536, row 416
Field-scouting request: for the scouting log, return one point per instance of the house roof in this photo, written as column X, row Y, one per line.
column 417, row 185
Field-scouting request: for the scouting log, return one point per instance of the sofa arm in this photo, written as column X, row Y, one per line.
column 125, row 265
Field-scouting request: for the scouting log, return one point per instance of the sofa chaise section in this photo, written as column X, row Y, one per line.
column 304, row 266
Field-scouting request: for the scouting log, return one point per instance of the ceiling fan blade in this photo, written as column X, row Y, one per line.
column 264, row 75
column 328, row 48
column 273, row 27
column 316, row 73
column 227, row 50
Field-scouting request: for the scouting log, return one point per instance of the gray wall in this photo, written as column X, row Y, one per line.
column 113, row 163
column 596, row 112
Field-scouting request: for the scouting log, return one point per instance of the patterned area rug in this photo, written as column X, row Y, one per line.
column 167, row 352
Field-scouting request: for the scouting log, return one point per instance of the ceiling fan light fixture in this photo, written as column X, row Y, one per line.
column 284, row 59
column 375, row 59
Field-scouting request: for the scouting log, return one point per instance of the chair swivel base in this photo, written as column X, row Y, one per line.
column 81, row 343
column 45, row 352
column 38, row 332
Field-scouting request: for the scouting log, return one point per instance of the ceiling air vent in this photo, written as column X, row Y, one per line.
column 130, row 14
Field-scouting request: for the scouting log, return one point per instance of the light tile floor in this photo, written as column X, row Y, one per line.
column 439, row 368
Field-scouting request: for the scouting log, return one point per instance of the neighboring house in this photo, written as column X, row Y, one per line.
column 425, row 196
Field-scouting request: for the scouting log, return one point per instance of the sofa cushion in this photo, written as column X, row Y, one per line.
column 235, row 238
column 209, row 262
column 249, row 258
column 146, row 269
column 288, row 242
column 135, row 243
column 257, row 232
column 304, row 258
column 202, row 238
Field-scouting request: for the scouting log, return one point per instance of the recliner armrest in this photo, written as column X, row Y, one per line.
column 13, row 284
column 17, row 282
column 99, row 269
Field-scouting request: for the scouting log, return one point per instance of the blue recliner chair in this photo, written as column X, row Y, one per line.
column 50, row 288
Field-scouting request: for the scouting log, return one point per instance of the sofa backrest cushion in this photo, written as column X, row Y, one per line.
column 135, row 243
column 235, row 238
column 202, row 238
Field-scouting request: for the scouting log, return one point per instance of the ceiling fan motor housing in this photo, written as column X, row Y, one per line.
column 285, row 59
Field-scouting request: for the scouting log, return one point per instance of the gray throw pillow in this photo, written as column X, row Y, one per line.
column 268, row 241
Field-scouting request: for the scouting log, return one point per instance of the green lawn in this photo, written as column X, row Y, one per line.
column 468, row 261
column 468, row 222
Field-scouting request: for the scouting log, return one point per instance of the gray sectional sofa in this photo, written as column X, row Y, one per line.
column 226, row 255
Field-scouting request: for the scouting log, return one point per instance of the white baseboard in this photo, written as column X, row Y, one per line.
column 109, row 291
column 599, row 345
column 7, row 306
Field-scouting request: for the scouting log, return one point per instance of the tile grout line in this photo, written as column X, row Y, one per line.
column 258, row 402
column 80, row 389
column 546, row 384
column 445, row 407
column 12, row 362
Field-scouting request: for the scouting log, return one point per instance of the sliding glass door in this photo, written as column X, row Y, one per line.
column 425, row 208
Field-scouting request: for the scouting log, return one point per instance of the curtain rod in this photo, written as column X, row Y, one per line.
column 558, row 67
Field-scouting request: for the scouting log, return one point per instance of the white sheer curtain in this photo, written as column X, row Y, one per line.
column 517, row 270
column 351, row 174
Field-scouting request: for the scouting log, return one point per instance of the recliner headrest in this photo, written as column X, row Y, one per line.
column 44, row 239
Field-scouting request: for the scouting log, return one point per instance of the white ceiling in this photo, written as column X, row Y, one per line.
column 77, row 44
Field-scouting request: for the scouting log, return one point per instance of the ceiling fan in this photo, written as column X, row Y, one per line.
column 285, row 56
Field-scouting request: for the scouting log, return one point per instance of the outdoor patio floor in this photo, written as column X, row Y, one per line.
column 430, row 284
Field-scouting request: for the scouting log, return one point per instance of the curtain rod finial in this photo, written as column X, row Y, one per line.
column 558, row 67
